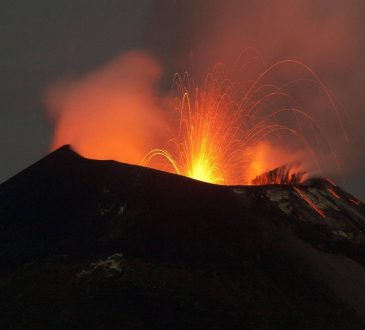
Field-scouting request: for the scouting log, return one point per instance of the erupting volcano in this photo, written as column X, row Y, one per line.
column 187, row 182
column 259, row 244
column 230, row 129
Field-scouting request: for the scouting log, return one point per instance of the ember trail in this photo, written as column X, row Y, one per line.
column 231, row 132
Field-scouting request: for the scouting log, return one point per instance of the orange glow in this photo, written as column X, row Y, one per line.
column 291, row 174
column 331, row 182
column 112, row 113
column 331, row 191
column 205, row 147
column 310, row 202
column 226, row 136
column 356, row 202
column 212, row 145
column 222, row 131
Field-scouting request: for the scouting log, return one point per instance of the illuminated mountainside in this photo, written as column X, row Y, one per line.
column 104, row 245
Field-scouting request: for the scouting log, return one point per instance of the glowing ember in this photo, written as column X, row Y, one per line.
column 356, row 202
column 310, row 202
column 229, row 135
column 287, row 174
column 332, row 192
column 331, row 182
column 229, row 129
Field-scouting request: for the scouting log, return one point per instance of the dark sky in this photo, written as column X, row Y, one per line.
column 42, row 41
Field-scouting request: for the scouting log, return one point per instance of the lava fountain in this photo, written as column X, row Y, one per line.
column 229, row 128
column 233, row 134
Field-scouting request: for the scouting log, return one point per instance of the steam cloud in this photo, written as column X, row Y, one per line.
column 112, row 113
column 118, row 107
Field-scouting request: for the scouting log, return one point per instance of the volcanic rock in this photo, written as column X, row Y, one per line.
column 87, row 244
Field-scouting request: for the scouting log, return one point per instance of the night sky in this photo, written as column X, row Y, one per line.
column 43, row 41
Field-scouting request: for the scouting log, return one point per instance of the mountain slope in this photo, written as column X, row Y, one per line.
column 104, row 245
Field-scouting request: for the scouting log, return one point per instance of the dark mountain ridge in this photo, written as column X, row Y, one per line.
column 104, row 245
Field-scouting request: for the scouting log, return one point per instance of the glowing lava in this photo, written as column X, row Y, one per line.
column 309, row 201
column 227, row 136
column 205, row 147
column 228, row 129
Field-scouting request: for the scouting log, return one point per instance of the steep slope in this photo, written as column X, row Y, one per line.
column 104, row 245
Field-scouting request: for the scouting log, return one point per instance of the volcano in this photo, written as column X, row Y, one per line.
column 90, row 244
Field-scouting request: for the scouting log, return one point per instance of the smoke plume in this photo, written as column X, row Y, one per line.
column 111, row 113
column 118, row 111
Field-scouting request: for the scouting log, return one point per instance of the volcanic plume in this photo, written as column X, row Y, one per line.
column 228, row 128
column 112, row 113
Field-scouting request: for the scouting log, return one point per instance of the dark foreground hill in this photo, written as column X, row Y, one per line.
column 90, row 244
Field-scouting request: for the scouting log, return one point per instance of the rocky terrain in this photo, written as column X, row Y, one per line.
column 88, row 244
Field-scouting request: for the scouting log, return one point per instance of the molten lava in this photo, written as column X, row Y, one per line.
column 309, row 201
column 287, row 174
column 222, row 131
column 212, row 144
column 227, row 136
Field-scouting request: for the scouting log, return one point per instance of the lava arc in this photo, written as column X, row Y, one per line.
column 231, row 134
column 228, row 128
